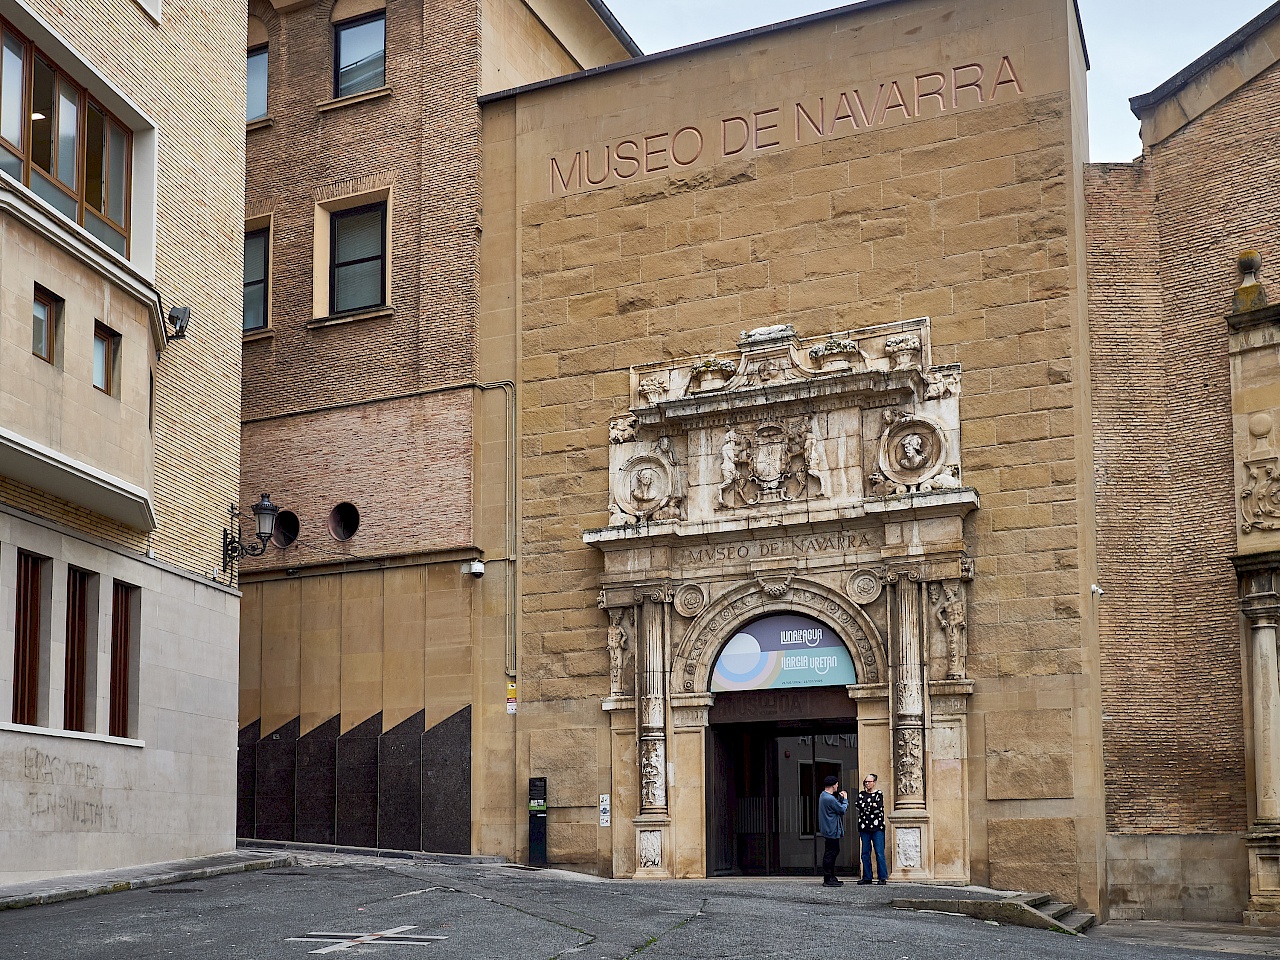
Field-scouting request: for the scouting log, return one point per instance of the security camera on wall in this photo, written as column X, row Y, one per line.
column 179, row 317
column 474, row 567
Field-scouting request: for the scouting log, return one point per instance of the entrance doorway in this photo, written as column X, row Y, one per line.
column 763, row 781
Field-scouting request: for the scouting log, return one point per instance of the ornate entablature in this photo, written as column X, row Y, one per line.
column 820, row 480
column 785, row 427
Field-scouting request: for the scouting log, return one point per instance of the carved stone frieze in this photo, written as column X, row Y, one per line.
column 653, row 774
column 909, row 765
column 950, row 615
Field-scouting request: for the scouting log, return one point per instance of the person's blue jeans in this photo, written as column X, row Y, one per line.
column 873, row 838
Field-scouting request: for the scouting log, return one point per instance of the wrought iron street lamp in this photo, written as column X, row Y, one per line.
column 234, row 545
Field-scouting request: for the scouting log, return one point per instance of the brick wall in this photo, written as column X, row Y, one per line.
column 1164, row 234
column 422, row 141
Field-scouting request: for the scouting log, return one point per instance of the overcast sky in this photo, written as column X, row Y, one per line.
column 1134, row 45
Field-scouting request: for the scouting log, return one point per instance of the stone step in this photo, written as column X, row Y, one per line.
column 1078, row 920
column 1034, row 900
column 1056, row 909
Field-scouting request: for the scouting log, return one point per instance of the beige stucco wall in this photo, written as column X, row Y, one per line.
column 961, row 208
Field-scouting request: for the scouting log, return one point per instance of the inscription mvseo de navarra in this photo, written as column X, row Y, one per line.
column 806, row 120
column 785, row 546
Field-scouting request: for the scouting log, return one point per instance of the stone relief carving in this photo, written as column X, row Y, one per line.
column 907, row 848
column 650, row 855
column 951, row 614
column 865, row 587
column 909, row 769
column 773, row 589
column 653, row 781
column 1260, row 495
column 689, row 600
column 949, row 705
column 622, row 429
column 912, row 457
column 648, row 488
column 772, row 462
column 617, row 652
column 653, row 389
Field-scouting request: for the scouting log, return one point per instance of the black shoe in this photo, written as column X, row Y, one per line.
column 832, row 882
column 882, row 881
column 864, row 883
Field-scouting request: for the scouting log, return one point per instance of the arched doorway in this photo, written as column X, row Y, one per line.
column 781, row 723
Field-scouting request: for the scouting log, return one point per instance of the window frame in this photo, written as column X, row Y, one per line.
column 265, row 282
column 51, row 305
column 123, row 676
column 334, row 217
column 84, row 102
column 32, row 610
column 262, row 49
column 112, row 339
column 344, row 25
column 80, row 652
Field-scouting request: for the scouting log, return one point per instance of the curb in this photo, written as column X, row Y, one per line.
column 140, row 883
column 422, row 857
column 1010, row 912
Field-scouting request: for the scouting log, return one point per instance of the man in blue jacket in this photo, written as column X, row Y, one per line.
column 833, row 803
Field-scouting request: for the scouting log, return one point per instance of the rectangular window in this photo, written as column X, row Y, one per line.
column 44, row 316
column 123, row 629
column 359, row 55
column 256, row 257
column 57, row 140
column 256, row 85
column 26, row 641
column 75, row 694
column 106, row 347
column 357, row 258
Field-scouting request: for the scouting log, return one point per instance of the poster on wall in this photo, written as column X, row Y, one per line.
column 785, row 650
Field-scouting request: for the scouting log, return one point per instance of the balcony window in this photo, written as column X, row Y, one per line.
column 60, row 142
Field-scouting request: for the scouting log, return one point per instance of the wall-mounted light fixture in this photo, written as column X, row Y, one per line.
column 233, row 544
column 179, row 317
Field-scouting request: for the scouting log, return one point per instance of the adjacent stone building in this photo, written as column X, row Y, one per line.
column 809, row 404
column 119, row 201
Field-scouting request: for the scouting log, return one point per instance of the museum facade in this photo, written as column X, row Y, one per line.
column 812, row 384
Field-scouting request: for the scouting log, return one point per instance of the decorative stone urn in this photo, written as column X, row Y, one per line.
column 711, row 374
column 905, row 351
column 838, row 354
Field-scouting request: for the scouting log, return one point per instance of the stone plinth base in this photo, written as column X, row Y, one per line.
column 1263, row 842
column 653, row 847
column 912, row 853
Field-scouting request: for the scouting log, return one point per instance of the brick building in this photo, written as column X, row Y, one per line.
column 812, row 403
column 119, row 455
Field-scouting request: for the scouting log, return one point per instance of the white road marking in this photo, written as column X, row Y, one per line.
column 395, row 937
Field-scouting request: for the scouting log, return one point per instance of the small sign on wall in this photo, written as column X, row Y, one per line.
column 511, row 696
column 605, row 811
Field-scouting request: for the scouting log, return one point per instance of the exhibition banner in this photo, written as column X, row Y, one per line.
column 784, row 650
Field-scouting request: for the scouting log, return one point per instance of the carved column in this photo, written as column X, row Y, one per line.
column 909, row 697
column 911, row 842
column 1262, row 608
column 653, row 626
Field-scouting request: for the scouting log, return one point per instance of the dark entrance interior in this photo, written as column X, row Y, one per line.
column 763, row 781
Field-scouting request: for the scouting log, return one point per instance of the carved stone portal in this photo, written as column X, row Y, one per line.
column 785, row 477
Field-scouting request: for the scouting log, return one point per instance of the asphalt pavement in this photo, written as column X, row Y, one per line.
column 348, row 906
